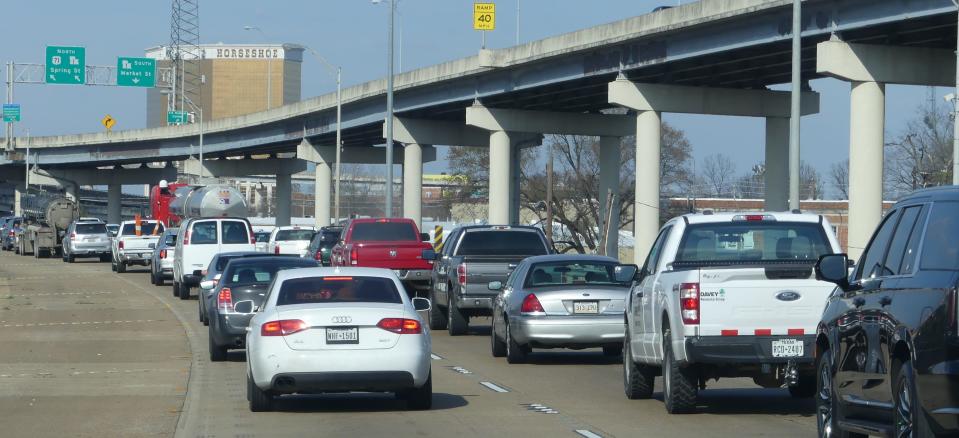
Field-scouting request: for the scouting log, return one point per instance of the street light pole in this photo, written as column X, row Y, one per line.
column 955, row 114
column 339, row 144
column 795, row 107
column 389, row 118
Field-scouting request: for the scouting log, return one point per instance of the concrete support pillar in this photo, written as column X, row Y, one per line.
column 18, row 193
column 413, row 183
column 866, row 126
column 646, row 209
column 609, row 163
column 777, row 164
column 72, row 190
column 284, row 198
column 258, row 201
column 269, row 206
column 113, row 203
column 500, row 153
column 321, row 194
column 515, row 172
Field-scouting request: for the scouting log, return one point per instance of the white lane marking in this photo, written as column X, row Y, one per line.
column 494, row 387
column 435, row 357
column 461, row 370
column 80, row 323
column 587, row 434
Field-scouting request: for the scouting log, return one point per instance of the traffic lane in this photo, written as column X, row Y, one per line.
column 85, row 354
column 588, row 387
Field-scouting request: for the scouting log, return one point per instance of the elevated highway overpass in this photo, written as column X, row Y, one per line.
column 708, row 57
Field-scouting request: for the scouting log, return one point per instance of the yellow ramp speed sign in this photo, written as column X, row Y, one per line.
column 484, row 16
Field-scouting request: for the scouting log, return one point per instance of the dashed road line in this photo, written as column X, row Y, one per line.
column 51, row 324
column 542, row 409
column 587, row 433
column 461, row 370
column 494, row 387
column 50, row 294
column 435, row 356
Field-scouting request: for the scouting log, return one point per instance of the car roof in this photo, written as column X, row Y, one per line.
column 296, row 227
column 498, row 227
column 942, row 193
column 570, row 258
column 271, row 258
column 243, row 254
column 328, row 271
column 709, row 217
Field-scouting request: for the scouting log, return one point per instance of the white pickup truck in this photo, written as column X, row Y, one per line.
column 290, row 240
column 726, row 295
column 134, row 244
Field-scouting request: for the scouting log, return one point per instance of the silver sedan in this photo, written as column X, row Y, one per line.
column 558, row 301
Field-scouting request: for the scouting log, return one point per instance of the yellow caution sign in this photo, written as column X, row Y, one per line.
column 108, row 122
column 484, row 16
column 437, row 238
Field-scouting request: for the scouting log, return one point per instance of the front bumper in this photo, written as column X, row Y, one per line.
column 744, row 350
column 571, row 331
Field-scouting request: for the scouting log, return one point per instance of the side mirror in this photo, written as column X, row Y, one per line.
column 421, row 304
column 425, row 237
column 207, row 285
column 244, row 307
column 495, row 285
column 625, row 273
column 834, row 268
column 428, row 254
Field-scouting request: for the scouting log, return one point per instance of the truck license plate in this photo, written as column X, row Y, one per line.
column 342, row 335
column 586, row 307
column 788, row 348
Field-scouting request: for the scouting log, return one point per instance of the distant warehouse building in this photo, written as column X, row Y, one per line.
column 237, row 79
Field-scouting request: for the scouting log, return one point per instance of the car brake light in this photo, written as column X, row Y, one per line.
column 73, row 235
column 11, row 233
column 186, row 237
column 382, row 221
column 531, row 304
column 162, row 253
column 224, row 300
column 354, row 256
column 401, row 326
column 249, row 228
column 318, row 255
column 753, row 217
column 120, row 244
column 689, row 302
column 276, row 249
column 461, row 274
column 283, row 327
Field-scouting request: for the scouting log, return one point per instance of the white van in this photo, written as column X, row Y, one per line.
column 198, row 240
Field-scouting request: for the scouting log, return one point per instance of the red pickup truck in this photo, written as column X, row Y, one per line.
column 389, row 243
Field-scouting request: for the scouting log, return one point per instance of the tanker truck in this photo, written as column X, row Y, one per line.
column 46, row 218
column 206, row 201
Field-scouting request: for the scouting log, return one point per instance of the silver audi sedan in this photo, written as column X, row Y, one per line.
column 558, row 301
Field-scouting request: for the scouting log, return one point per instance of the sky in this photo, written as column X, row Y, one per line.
column 353, row 34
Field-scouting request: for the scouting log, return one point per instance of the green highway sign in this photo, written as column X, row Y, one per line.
column 66, row 65
column 177, row 117
column 11, row 112
column 136, row 72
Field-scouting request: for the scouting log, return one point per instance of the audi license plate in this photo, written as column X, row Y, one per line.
column 342, row 335
column 788, row 348
column 586, row 307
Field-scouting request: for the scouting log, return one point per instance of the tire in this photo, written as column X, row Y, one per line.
column 457, row 324
column 104, row 258
column 515, row 353
column 121, row 267
column 159, row 280
column 806, row 387
column 679, row 383
column 71, row 259
column 260, row 400
column 497, row 345
column 176, row 289
column 613, row 351
column 910, row 420
column 638, row 380
column 184, row 292
column 420, row 399
column 827, row 412
column 217, row 353
column 437, row 315
column 153, row 277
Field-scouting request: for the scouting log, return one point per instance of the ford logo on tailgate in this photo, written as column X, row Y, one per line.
column 788, row 295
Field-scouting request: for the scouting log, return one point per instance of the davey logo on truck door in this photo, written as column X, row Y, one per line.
column 719, row 295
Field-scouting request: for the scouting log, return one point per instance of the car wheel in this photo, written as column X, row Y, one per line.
column 457, row 324
column 437, row 316
column 153, row 277
column 104, row 258
column 827, row 409
column 260, row 400
column 805, row 388
column 497, row 345
column 184, row 291
column 638, row 379
column 176, row 289
column 71, row 258
column 121, row 267
column 613, row 351
column 910, row 420
column 421, row 399
column 159, row 280
column 679, row 383
column 515, row 353
column 217, row 353
column 199, row 308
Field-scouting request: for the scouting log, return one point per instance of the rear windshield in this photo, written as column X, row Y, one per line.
column 752, row 242
column 571, row 273
column 235, row 232
column 146, row 229
column 170, row 240
column 260, row 272
column 91, row 229
column 338, row 290
column 384, row 232
column 262, row 237
column 294, row 235
column 501, row 243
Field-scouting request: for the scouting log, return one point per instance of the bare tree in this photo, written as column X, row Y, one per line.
column 839, row 178
column 921, row 156
column 811, row 185
column 719, row 172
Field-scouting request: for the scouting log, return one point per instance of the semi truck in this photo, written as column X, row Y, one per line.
column 46, row 218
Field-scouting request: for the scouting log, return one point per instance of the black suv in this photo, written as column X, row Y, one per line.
column 887, row 347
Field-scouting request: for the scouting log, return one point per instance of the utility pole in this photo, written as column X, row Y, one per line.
column 795, row 110
column 389, row 118
column 955, row 113
column 517, row 21
column 549, row 193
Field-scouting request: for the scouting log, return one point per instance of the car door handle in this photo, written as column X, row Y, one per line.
column 885, row 301
column 639, row 294
column 859, row 301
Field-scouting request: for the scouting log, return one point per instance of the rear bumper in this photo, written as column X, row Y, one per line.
column 136, row 257
column 90, row 249
column 230, row 329
column 744, row 350
column 474, row 302
column 341, row 381
column 569, row 331
column 417, row 277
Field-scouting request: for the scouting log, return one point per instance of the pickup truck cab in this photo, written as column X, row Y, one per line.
column 134, row 243
column 198, row 240
column 472, row 257
column 290, row 240
column 726, row 295
column 389, row 243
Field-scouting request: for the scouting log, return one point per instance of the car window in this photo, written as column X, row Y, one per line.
column 939, row 251
column 912, row 248
column 496, row 242
column 451, row 239
column 284, row 235
column 90, row 229
column 251, row 273
column 571, row 273
column 170, row 240
column 900, row 238
column 262, row 237
column 384, row 232
column 871, row 264
column 235, row 232
column 146, row 229
column 652, row 261
column 204, row 233
column 746, row 241
column 353, row 289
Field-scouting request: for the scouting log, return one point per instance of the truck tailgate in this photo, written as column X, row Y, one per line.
column 397, row 255
column 482, row 270
column 760, row 301
column 136, row 243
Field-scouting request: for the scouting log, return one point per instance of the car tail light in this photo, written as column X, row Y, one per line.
column 318, row 255
column 186, row 237
column 162, row 253
column 531, row 305
column 276, row 249
column 73, row 235
column 354, row 256
column 249, row 229
column 224, row 300
column 689, row 302
column 401, row 326
column 283, row 327
column 11, row 234
column 120, row 244
column 461, row 274
column 753, row 217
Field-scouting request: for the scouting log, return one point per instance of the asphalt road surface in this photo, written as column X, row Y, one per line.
column 88, row 352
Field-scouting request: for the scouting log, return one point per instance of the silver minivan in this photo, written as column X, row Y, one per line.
column 86, row 238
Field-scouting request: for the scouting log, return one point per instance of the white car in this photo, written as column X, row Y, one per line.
column 337, row 330
column 198, row 240
column 292, row 240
